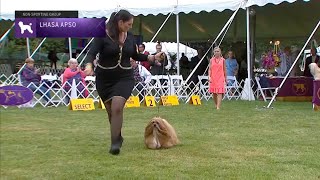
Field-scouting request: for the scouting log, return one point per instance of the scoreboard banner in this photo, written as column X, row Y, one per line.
column 59, row 27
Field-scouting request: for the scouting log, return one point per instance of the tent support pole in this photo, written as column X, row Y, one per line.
column 28, row 47
column 70, row 47
column 84, row 50
column 224, row 27
column 155, row 35
column 248, row 51
column 178, row 44
column 32, row 53
column 6, row 33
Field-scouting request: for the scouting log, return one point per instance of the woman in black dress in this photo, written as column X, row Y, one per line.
column 114, row 75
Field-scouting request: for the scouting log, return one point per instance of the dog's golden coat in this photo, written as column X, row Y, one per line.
column 160, row 134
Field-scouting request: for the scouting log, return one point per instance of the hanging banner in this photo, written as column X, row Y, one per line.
column 46, row 14
column 59, row 27
column 316, row 93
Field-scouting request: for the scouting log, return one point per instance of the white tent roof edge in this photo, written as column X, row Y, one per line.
column 265, row 2
column 98, row 8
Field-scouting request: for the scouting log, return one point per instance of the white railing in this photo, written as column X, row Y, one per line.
column 159, row 86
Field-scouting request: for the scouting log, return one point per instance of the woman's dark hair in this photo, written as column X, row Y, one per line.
column 112, row 25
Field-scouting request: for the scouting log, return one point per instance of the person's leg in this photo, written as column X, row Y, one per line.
column 44, row 90
column 81, row 90
column 66, row 94
column 214, row 96
column 117, row 106
column 219, row 100
column 38, row 90
column 107, row 104
column 32, row 87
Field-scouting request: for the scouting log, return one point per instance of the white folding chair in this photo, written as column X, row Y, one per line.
column 264, row 91
column 232, row 88
column 91, row 87
column 164, row 81
column 154, row 87
column 204, row 87
column 178, row 86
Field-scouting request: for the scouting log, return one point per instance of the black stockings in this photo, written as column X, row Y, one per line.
column 115, row 108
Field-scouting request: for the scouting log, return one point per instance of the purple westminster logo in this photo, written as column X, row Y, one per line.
column 60, row 27
column 14, row 95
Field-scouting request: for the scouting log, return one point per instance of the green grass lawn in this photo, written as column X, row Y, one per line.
column 240, row 141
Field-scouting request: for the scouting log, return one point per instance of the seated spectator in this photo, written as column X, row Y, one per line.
column 141, row 76
column 31, row 78
column 73, row 72
column 142, row 50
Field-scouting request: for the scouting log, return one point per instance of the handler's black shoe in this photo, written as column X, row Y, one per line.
column 115, row 147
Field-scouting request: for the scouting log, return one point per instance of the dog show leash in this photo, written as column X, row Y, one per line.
column 164, row 57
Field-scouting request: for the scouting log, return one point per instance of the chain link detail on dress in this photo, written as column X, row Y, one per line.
column 118, row 64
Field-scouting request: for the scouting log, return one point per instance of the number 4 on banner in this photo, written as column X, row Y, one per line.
column 149, row 101
column 195, row 100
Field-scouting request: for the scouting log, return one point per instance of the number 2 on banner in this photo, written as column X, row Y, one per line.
column 150, row 102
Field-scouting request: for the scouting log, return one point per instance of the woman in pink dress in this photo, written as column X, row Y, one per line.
column 217, row 76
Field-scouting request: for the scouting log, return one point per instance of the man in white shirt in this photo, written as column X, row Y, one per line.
column 141, row 76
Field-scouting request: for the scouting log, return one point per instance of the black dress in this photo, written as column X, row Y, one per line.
column 114, row 75
column 307, row 72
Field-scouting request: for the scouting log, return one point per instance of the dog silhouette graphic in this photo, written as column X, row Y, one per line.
column 24, row 27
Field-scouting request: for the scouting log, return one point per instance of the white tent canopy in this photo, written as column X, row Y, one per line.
column 171, row 47
column 97, row 8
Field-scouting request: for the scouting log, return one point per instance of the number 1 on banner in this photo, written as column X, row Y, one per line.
column 149, row 101
column 195, row 100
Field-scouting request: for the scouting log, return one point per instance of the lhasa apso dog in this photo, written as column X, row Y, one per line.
column 160, row 134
